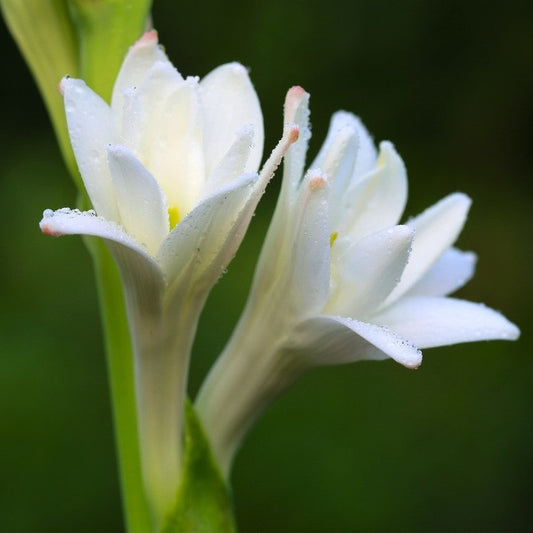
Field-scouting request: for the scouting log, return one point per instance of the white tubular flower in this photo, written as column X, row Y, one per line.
column 339, row 281
column 171, row 170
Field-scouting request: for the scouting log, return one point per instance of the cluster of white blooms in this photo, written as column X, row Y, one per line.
column 171, row 170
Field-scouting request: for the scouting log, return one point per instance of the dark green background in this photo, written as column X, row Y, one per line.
column 365, row 447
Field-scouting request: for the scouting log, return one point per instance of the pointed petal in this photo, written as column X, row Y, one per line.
column 144, row 107
column 74, row 222
column 328, row 154
column 204, row 242
column 377, row 200
column 337, row 160
column 366, row 154
column 329, row 340
column 364, row 273
column 142, row 56
column 230, row 102
column 141, row 202
column 453, row 270
column 284, row 228
column 296, row 111
column 305, row 260
column 233, row 163
column 433, row 321
column 90, row 129
column 162, row 126
column 174, row 149
column 436, row 229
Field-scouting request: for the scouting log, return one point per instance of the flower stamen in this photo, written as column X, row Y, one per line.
column 173, row 216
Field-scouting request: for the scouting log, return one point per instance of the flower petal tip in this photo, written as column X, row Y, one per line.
column 234, row 69
column 410, row 358
column 512, row 333
column 296, row 92
column 462, row 199
column 61, row 85
column 293, row 133
column 116, row 151
column 318, row 182
column 45, row 226
column 64, row 84
column 149, row 38
column 296, row 96
column 415, row 365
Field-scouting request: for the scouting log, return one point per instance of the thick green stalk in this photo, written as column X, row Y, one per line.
column 106, row 29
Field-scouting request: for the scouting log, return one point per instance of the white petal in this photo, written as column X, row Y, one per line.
column 230, row 102
column 364, row 273
column 377, row 200
column 143, row 280
column 436, row 229
column 433, row 321
column 337, row 160
column 174, row 148
column 90, row 129
column 204, row 242
column 453, row 270
column 366, row 154
column 328, row 340
column 340, row 121
column 305, row 259
column 144, row 107
column 142, row 56
column 141, row 202
column 291, row 134
column 296, row 111
column 74, row 222
column 233, row 163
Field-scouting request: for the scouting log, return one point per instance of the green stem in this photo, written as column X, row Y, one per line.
column 105, row 30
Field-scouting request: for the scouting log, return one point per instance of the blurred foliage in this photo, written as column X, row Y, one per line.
column 366, row 447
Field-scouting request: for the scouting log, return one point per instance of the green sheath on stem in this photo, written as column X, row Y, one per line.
column 203, row 502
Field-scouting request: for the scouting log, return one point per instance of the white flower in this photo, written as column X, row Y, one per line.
column 170, row 168
column 339, row 281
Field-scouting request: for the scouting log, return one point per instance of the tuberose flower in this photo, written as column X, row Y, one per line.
column 171, row 170
column 339, row 281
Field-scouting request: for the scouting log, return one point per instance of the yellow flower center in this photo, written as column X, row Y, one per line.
column 173, row 216
column 333, row 238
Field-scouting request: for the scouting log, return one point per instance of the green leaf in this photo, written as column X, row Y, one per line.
column 47, row 39
column 204, row 502
column 106, row 29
